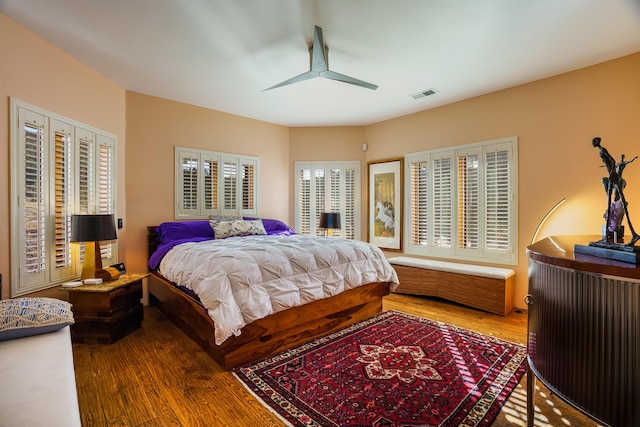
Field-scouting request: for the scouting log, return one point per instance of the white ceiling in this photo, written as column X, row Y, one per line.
column 222, row 54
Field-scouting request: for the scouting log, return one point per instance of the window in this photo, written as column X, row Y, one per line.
column 212, row 183
column 59, row 168
column 327, row 187
column 462, row 202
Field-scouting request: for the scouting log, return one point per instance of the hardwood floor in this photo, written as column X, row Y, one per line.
column 157, row 376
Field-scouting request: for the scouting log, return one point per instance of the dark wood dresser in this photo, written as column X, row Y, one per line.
column 106, row 312
column 584, row 330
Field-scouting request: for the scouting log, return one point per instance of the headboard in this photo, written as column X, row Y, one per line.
column 153, row 239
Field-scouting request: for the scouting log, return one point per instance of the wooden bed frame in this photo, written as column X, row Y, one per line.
column 270, row 335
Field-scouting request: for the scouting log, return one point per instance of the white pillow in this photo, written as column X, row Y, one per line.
column 224, row 229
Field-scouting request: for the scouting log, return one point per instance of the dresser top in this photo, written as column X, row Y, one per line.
column 558, row 250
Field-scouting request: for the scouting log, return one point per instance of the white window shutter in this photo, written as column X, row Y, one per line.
column 350, row 220
column 320, row 185
column 419, row 201
column 303, row 218
column 327, row 187
column 62, row 197
column 57, row 171
column 469, row 212
column 498, row 201
column 442, row 207
column 187, row 175
column 248, row 187
column 85, row 175
column 32, row 152
column 210, row 176
column 230, row 186
column 468, row 205
column 105, row 194
column 211, row 183
column 335, row 187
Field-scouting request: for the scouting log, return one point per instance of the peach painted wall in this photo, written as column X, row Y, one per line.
column 155, row 126
column 555, row 120
column 36, row 72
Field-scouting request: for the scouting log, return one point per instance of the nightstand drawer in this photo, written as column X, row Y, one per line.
column 106, row 330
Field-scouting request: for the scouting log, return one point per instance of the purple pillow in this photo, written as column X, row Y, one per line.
column 181, row 230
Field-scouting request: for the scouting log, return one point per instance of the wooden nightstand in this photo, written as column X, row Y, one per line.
column 106, row 312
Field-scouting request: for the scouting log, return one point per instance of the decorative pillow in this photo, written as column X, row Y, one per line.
column 273, row 226
column 23, row 317
column 216, row 219
column 226, row 217
column 224, row 229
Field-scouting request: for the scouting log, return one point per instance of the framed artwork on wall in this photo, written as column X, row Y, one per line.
column 385, row 203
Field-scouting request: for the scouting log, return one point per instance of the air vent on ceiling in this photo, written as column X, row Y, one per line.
column 424, row 93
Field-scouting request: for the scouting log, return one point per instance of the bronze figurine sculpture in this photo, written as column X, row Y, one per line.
column 614, row 186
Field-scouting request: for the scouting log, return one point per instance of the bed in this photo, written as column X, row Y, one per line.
column 188, row 289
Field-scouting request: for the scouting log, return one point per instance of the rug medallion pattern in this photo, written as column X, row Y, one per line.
column 393, row 370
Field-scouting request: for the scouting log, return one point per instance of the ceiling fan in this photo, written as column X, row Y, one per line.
column 320, row 67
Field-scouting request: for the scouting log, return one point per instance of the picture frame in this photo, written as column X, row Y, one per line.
column 385, row 186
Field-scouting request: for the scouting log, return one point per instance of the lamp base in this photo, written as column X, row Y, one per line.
column 92, row 260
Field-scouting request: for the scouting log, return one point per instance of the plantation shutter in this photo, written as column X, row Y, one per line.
column 187, row 190
column 349, row 204
column 32, row 230
column 105, row 181
column 468, row 202
column 57, row 171
column 62, row 197
column 468, row 212
column 334, row 193
column 498, row 200
column 327, row 187
column 211, row 183
column 230, row 186
column 320, row 202
column 304, row 201
column 85, row 172
column 419, row 201
column 210, row 176
column 442, row 201
column 247, row 187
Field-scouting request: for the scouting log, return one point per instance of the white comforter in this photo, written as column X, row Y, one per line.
column 241, row 279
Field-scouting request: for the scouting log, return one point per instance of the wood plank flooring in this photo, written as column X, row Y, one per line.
column 157, row 376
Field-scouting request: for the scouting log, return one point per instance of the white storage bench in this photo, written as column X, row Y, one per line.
column 37, row 377
column 478, row 286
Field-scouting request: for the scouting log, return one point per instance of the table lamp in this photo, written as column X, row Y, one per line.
column 92, row 229
column 329, row 220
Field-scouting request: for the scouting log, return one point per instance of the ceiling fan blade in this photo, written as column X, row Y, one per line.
column 318, row 52
column 320, row 67
column 299, row 78
column 346, row 79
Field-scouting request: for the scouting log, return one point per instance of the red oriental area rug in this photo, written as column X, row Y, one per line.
column 392, row 370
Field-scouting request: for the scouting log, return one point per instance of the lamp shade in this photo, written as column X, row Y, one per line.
column 93, row 228
column 329, row 220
